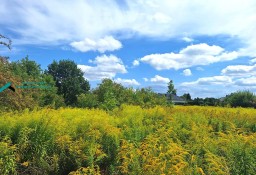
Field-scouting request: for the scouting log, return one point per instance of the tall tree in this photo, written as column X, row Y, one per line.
column 171, row 89
column 69, row 80
column 109, row 94
column 27, row 69
column 187, row 97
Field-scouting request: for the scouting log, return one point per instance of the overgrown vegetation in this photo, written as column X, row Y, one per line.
column 67, row 88
column 129, row 140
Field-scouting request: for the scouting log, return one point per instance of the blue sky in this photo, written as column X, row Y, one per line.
column 208, row 48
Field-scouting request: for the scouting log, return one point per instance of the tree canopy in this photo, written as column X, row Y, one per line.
column 69, row 80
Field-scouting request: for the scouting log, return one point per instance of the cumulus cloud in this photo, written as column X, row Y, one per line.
column 159, row 80
column 187, row 39
column 127, row 82
column 108, row 43
column 161, row 18
column 251, row 81
column 199, row 69
column 239, row 70
column 215, row 86
column 187, row 72
column 106, row 67
column 215, row 80
column 193, row 55
column 145, row 79
column 135, row 63
column 253, row 61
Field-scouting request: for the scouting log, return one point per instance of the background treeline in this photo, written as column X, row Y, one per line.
column 237, row 99
column 68, row 88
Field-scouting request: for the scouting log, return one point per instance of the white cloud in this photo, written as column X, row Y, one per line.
column 106, row 67
column 37, row 22
column 145, row 79
column 215, row 86
column 160, row 80
column 187, row 72
column 215, row 80
column 161, row 18
column 108, row 43
column 193, row 55
column 127, row 82
column 187, row 39
column 251, row 81
column 135, row 63
column 239, row 70
column 199, row 69
column 253, row 61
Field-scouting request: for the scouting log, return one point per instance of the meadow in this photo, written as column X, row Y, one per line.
column 129, row 140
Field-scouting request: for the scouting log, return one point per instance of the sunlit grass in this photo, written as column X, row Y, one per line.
column 129, row 140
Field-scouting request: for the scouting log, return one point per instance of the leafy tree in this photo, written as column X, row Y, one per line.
column 69, row 80
column 187, row 97
column 211, row 101
column 27, row 69
column 145, row 97
column 171, row 89
column 198, row 101
column 88, row 100
column 241, row 99
column 109, row 93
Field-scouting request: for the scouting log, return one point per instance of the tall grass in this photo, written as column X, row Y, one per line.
column 129, row 140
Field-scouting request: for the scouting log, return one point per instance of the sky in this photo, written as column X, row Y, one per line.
column 208, row 48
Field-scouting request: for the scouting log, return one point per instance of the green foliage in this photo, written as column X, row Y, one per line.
column 108, row 88
column 69, row 80
column 171, row 89
column 145, row 97
column 23, row 71
column 26, row 69
column 111, row 95
column 241, row 99
column 88, row 100
column 7, row 157
column 187, row 97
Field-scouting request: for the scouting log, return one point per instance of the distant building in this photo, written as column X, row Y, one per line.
column 175, row 99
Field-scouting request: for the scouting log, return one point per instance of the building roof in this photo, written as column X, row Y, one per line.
column 177, row 99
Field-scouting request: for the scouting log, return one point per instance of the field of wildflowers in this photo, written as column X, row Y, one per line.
column 129, row 140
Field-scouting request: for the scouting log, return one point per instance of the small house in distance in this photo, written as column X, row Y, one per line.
column 178, row 100
column 175, row 99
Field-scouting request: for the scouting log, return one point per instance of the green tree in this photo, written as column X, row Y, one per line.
column 146, row 97
column 187, row 97
column 109, row 94
column 241, row 99
column 171, row 89
column 88, row 100
column 27, row 69
column 69, row 80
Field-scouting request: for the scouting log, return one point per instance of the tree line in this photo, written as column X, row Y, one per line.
column 68, row 88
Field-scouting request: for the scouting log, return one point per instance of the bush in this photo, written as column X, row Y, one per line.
column 241, row 99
